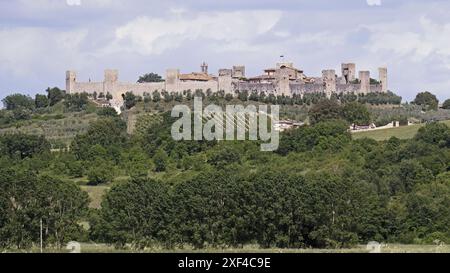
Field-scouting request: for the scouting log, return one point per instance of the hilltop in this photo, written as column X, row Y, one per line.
column 61, row 122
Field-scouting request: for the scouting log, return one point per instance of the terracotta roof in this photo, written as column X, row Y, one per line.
column 196, row 77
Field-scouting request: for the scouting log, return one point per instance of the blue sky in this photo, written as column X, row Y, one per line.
column 41, row 39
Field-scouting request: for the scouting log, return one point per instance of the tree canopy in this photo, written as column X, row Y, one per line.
column 427, row 100
column 18, row 101
column 446, row 104
column 150, row 77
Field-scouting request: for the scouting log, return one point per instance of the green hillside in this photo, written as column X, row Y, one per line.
column 58, row 129
column 405, row 132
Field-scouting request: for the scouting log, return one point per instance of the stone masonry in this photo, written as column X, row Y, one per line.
column 284, row 79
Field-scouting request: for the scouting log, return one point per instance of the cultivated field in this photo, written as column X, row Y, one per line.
column 405, row 132
column 60, row 129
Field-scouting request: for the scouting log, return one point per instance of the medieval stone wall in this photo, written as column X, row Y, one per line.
column 267, row 88
column 88, row 87
column 138, row 88
column 348, row 88
column 300, row 89
column 376, row 88
column 287, row 81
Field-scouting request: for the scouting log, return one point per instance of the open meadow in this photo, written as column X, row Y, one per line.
column 405, row 132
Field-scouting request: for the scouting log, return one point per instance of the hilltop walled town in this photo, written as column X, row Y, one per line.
column 283, row 79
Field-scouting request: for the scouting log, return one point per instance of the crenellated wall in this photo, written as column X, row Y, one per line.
column 267, row 88
column 110, row 85
column 348, row 88
column 138, row 88
column 286, row 80
column 88, row 87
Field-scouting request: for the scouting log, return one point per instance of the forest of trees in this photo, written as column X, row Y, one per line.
column 320, row 189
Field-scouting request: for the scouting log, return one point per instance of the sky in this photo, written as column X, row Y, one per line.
column 41, row 39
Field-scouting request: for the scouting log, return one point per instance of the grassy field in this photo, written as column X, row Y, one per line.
column 394, row 248
column 405, row 132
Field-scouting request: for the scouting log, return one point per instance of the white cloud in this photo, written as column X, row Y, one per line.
column 374, row 2
column 30, row 50
column 418, row 44
column 145, row 35
column 73, row 2
column 417, row 52
column 322, row 38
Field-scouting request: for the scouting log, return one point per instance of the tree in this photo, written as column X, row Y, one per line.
column 156, row 96
column 130, row 100
column 373, row 98
column 108, row 133
column 243, row 95
column 340, row 210
column 62, row 204
column 22, row 113
column 426, row 207
column 55, row 95
column 435, row 133
column 373, row 81
column 277, row 219
column 76, row 102
column 325, row 110
column 100, row 173
column 75, row 169
column 150, row 77
column 331, row 134
column 356, row 113
column 17, row 203
column 160, row 159
column 427, row 100
column 446, row 104
column 23, row 146
column 211, row 210
column 18, row 101
column 223, row 156
column 26, row 199
column 107, row 112
column 410, row 173
column 138, row 212
column 41, row 101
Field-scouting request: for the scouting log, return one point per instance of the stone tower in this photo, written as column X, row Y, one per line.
column 238, row 72
column 383, row 79
column 364, row 77
column 71, row 78
column 348, row 73
column 111, row 78
column 283, row 82
column 225, row 80
column 172, row 79
column 329, row 81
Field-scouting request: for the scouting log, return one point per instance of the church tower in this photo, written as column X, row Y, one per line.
column 204, row 67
